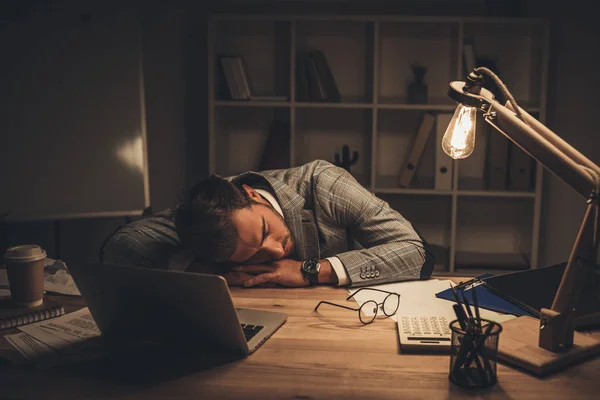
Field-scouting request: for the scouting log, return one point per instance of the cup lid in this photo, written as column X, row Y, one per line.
column 25, row 253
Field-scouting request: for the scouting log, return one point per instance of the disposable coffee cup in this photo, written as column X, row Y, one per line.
column 25, row 270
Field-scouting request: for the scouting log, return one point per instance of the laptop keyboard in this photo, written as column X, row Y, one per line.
column 251, row 330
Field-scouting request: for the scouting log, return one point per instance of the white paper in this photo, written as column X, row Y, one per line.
column 416, row 298
column 28, row 346
column 47, row 336
column 78, row 324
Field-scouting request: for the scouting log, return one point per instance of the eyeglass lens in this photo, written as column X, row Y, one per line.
column 368, row 311
column 390, row 304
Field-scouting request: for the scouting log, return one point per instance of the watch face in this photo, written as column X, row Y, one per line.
column 310, row 266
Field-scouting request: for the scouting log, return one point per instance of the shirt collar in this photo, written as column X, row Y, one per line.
column 271, row 199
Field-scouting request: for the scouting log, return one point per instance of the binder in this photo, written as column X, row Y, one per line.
column 520, row 169
column 497, row 160
column 469, row 58
column 443, row 162
column 411, row 164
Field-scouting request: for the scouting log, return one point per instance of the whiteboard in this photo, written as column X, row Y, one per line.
column 72, row 118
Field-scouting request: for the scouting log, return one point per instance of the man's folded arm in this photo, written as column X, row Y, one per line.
column 392, row 250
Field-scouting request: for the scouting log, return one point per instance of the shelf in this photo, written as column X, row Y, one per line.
column 494, row 193
column 505, row 42
column 479, row 225
column 475, row 260
column 434, row 224
column 420, row 185
column 242, row 136
column 424, row 192
column 321, row 133
column 433, row 46
column 343, row 44
column 251, row 103
column 399, row 104
column 356, row 102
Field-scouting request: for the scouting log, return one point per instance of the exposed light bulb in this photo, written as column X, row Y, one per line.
column 459, row 139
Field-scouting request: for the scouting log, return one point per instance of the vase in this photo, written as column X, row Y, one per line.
column 417, row 89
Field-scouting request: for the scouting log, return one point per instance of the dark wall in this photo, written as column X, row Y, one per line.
column 175, row 48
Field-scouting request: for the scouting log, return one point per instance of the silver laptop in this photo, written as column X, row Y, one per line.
column 143, row 303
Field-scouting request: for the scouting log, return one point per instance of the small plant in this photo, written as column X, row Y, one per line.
column 345, row 161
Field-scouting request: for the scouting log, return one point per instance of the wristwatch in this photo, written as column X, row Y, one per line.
column 310, row 268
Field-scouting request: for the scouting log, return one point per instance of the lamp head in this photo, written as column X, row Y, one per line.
column 471, row 91
column 459, row 140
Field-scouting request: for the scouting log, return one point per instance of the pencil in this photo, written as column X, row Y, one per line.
column 476, row 305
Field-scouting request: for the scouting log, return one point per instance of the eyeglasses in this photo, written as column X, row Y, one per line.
column 389, row 305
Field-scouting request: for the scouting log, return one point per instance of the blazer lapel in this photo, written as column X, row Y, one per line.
column 304, row 230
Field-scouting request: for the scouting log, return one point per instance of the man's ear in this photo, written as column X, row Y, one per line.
column 253, row 194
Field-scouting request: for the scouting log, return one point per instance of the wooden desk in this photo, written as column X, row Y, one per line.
column 312, row 356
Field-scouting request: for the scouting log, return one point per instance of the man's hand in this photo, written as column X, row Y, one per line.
column 282, row 272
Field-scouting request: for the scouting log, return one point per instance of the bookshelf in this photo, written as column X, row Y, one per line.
column 474, row 228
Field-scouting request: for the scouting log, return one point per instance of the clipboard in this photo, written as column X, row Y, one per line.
column 485, row 298
column 527, row 292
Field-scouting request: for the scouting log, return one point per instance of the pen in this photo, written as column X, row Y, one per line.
column 458, row 309
column 476, row 305
column 455, row 294
column 466, row 302
column 460, row 316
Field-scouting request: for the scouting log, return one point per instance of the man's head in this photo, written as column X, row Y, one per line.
column 221, row 222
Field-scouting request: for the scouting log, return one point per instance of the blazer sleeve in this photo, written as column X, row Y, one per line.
column 392, row 250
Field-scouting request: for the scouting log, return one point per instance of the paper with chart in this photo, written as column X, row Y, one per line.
column 56, row 334
column 28, row 346
column 416, row 298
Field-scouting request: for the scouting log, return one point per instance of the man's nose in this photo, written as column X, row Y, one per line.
column 274, row 248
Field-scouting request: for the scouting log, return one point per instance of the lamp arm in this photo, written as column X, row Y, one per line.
column 546, row 147
column 581, row 174
column 556, row 140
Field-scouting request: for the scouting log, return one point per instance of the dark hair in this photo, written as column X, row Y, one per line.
column 203, row 219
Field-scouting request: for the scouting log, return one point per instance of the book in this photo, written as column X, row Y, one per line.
column 419, row 142
column 443, row 163
column 275, row 154
column 12, row 316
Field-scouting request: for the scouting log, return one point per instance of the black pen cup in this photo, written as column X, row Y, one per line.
column 474, row 354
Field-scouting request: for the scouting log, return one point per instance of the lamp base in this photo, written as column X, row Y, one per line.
column 518, row 345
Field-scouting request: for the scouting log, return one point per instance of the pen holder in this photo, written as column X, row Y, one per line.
column 473, row 355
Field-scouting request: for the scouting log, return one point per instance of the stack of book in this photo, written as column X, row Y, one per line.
column 237, row 83
column 315, row 81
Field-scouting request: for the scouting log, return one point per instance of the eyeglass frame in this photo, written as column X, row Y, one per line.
column 366, row 302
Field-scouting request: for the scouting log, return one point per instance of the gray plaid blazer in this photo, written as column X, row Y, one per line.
column 329, row 214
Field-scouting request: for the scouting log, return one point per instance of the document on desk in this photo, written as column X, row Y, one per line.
column 416, row 298
column 70, row 327
column 28, row 346
column 47, row 337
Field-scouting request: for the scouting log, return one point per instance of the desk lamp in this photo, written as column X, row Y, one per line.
column 550, row 343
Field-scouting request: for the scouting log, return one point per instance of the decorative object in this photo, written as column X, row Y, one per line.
column 550, row 343
column 345, row 161
column 417, row 89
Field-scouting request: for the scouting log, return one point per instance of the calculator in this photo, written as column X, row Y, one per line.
column 424, row 333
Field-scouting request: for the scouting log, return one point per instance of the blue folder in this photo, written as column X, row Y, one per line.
column 487, row 299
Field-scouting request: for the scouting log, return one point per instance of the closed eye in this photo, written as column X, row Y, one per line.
column 265, row 231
